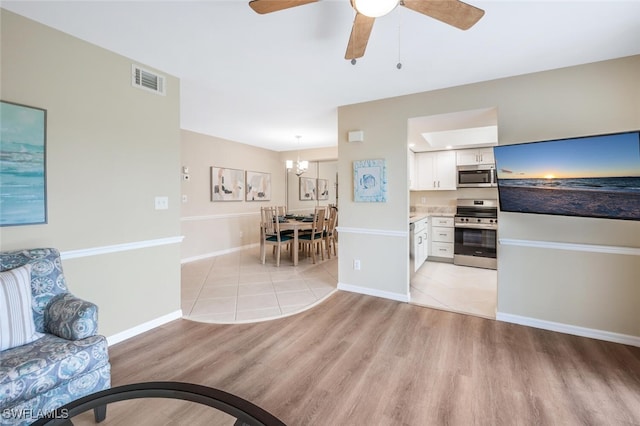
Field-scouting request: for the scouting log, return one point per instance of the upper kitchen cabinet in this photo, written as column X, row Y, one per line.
column 412, row 170
column 435, row 171
column 472, row 157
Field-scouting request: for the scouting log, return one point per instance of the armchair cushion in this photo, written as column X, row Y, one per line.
column 30, row 370
column 71, row 318
column 17, row 327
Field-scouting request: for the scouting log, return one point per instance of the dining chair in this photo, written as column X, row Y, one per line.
column 314, row 239
column 271, row 234
column 330, row 231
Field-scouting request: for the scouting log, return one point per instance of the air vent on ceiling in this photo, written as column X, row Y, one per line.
column 147, row 80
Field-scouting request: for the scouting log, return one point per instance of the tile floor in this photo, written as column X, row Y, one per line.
column 236, row 287
column 456, row 288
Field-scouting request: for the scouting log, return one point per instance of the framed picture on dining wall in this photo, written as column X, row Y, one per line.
column 307, row 188
column 323, row 189
column 23, row 189
column 258, row 186
column 227, row 184
column 370, row 181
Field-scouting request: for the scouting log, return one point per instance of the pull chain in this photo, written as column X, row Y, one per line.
column 399, row 64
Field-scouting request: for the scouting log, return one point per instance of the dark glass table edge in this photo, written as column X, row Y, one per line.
column 244, row 411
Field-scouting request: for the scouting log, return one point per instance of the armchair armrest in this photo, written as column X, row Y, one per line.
column 70, row 317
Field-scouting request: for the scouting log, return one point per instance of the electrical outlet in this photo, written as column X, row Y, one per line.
column 356, row 264
column 162, row 203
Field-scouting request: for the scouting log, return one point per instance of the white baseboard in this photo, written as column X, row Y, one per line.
column 608, row 336
column 373, row 292
column 217, row 253
column 139, row 329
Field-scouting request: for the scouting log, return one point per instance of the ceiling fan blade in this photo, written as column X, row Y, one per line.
column 452, row 12
column 359, row 38
column 268, row 6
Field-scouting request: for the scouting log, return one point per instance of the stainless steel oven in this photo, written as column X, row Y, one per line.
column 477, row 176
column 476, row 233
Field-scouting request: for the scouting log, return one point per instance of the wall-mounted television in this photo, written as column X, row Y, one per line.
column 593, row 176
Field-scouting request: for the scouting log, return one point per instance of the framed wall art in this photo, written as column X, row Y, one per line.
column 258, row 186
column 370, row 181
column 23, row 189
column 307, row 188
column 323, row 189
column 227, row 184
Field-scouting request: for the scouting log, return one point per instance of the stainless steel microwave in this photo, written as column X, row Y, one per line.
column 477, row 176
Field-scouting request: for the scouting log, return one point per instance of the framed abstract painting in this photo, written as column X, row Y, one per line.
column 307, row 188
column 258, row 186
column 227, row 184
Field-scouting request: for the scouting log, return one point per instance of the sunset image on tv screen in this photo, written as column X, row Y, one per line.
column 597, row 176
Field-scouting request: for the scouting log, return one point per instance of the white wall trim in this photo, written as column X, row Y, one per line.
column 608, row 336
column 146, row 326
column 218, row 216
column 96, row 251
column 594, row 248
column 373, row 292
column 217, row 253
column 367, row 231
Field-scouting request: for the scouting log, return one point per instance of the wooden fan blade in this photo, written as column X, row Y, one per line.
column 268, row 6
column 359, row 38
column 452, row 12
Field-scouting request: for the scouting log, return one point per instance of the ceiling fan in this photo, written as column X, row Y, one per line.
column 452, row 12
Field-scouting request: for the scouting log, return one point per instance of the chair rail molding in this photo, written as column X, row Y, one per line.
column 217, row 216
column 96, row 251
column 593, row 248
column 369, row 231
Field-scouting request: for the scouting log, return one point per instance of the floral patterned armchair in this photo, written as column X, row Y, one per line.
column 63, row 358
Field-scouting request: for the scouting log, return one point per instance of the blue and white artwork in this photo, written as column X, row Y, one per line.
column 22, row 165
column 370, row 181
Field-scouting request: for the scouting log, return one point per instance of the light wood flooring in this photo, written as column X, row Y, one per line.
column 362, row 360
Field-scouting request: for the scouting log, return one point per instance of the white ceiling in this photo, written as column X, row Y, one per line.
column 262, row 79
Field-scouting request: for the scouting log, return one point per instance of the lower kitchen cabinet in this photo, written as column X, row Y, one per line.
column 442, row 237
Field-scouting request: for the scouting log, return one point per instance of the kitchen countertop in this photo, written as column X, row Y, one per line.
column 424, row 211
column 416, row 217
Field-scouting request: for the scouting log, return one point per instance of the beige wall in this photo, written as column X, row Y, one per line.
column 591, row 290
column 111, row 149
column 212, row 228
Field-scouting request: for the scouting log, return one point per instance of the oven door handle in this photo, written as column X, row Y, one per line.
column 475, row 226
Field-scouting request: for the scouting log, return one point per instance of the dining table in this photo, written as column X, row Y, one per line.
column 296, row 225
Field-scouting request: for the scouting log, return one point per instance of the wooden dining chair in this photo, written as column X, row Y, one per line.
column 329, row 234
column 313, row 240
column 272, row 235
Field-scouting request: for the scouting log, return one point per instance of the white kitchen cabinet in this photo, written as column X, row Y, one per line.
column 412, row 170
column 471, row 157
column 442, row 237
column 421, row 243
column 435, row 171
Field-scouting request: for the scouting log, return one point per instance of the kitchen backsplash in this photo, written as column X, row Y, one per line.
column 432, row 210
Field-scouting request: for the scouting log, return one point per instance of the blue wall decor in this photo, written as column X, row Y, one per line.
column 23, row 186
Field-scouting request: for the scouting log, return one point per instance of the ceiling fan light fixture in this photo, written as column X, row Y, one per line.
column 374, row 8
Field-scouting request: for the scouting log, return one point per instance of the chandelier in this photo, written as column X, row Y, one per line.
column 301, row 166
